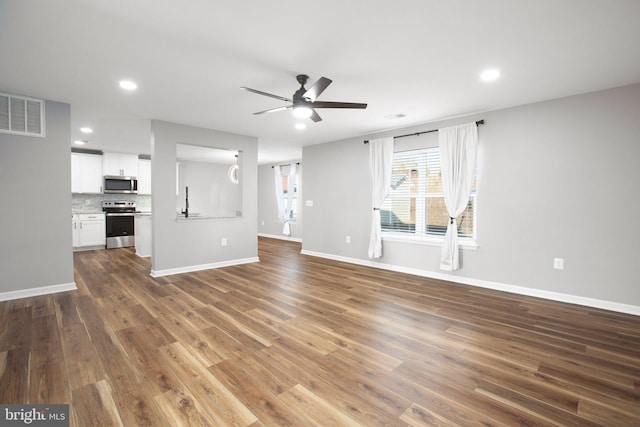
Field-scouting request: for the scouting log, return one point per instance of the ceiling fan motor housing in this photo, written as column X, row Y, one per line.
column 298, row 96
column 302, row 79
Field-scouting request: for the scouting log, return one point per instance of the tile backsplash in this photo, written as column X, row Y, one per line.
column 91, row 203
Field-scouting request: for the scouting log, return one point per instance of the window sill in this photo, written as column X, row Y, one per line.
column 463, row 243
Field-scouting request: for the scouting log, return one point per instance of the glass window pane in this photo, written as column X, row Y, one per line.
column 398, row 214
column 285, row 189
column 416, row 201
column 437, row 218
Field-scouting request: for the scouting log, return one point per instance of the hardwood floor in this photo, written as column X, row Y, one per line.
column 303, row 341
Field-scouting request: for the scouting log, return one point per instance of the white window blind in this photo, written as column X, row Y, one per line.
column 415, row 204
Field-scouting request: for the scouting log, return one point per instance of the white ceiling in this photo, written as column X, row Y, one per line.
column 420, row 58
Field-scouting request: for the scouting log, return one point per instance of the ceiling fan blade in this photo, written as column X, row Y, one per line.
column 328, row 104
column 315, row 116
column 273, row 110
column 318, row 87
column 259, row 92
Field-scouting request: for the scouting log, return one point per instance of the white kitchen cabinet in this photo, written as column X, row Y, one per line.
column 86, row 173
column 144, row 176
column 120, row 164
column 89, row 231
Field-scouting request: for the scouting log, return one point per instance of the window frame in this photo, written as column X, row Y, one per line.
column 465, row 242
column 293, row 217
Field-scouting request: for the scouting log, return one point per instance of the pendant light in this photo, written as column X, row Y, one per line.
column 233, row 172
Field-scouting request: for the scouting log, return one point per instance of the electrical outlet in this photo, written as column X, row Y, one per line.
column 558, row 263
column 223, row 242
column 347, row 239
column 308, row 203
column 262, row 223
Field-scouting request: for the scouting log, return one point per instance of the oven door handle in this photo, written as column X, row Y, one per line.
column 120, row 214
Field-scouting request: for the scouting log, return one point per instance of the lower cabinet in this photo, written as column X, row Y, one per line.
column 89, row 231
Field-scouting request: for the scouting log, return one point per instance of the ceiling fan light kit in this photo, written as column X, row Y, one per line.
column 302, row 111
column 303, row 103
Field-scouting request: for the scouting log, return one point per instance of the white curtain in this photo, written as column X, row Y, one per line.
column 380, row 160
column 458, row 148
column 285, row 205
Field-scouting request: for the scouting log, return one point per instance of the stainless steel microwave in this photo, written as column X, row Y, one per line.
column 120, row 184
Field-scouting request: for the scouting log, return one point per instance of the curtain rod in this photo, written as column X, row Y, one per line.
column 297, row 163
column 479, row 122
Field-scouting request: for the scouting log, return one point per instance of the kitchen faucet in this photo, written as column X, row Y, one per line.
column 186, row 201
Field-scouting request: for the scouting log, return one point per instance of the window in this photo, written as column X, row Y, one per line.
column 415, row 205
column 293, row 214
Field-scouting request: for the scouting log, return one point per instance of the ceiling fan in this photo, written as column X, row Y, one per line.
column 304, row 101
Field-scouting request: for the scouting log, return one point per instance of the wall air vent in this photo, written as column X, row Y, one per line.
column 21, row 115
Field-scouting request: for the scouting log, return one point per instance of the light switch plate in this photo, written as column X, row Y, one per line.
column 558, row 263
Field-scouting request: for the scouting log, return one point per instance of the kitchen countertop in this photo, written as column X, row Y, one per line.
column 101, row 212
column 89, row 212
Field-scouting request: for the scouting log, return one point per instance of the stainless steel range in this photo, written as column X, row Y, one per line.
column 120, row 216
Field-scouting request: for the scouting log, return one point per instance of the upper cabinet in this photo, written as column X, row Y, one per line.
column 86, row 173
column 120, row 164
column 144, row 176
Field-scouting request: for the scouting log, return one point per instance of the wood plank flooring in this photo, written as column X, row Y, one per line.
column 302, row 341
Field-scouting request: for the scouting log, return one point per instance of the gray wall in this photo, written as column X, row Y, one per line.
column 268, row 223
column 186, row 244
column 35, row 213
column 556, row 179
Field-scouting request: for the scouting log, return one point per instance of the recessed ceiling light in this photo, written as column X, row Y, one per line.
column 300, row 126
column 128, row 85
column 490, row 75
column 80, row 142
column 86, row 130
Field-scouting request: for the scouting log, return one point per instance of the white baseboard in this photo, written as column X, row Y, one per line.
column 88, row 248
column 35, row 292
column 554, row 296
column 191, row 268
column 281, row 237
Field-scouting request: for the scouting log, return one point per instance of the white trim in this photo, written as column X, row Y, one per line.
column 520, row 290
column 88, row 248
column 195, row 218
column 35, row 292
column 463, row 242
column 191, row 268
column 276, row 236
